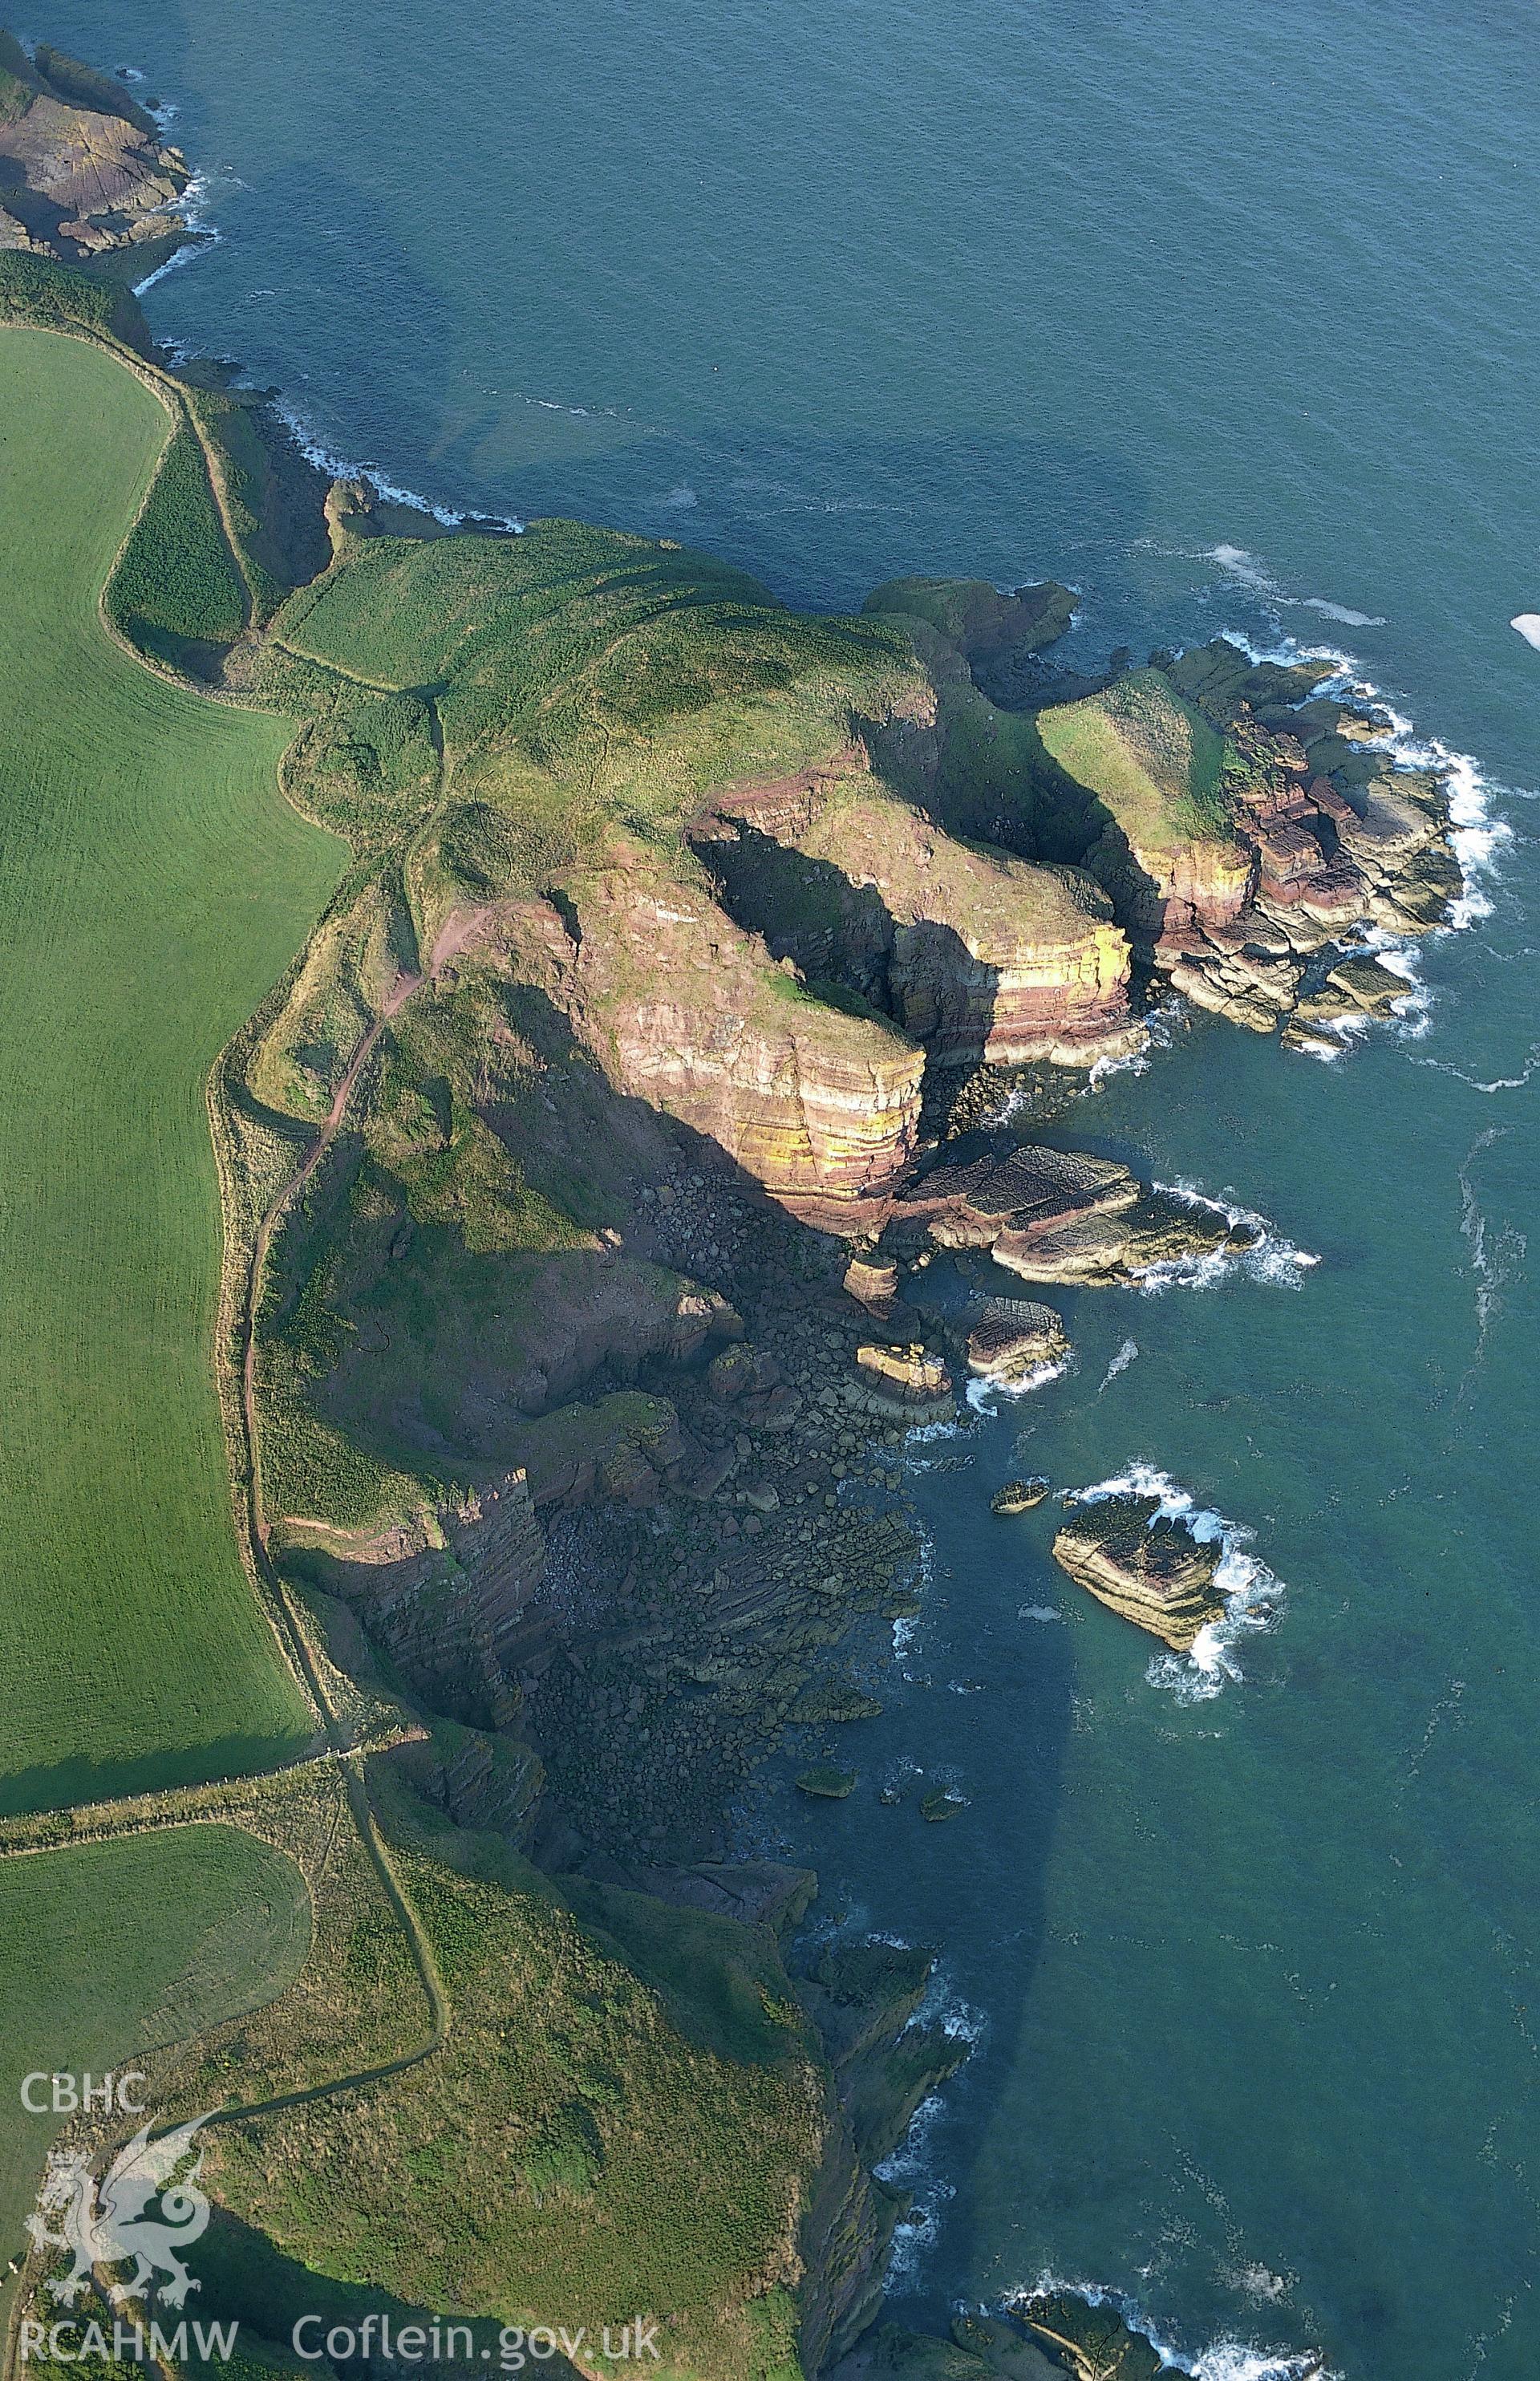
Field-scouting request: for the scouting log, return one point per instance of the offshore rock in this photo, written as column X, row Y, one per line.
column 1019, row 1496
column 1093, row 2342
column 1147, row 1567
column 977, row 954
column 1013, row 1338
column 1005, row 2352
column 1057, row 1216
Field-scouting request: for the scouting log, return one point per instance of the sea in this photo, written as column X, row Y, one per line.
column 1226, row 314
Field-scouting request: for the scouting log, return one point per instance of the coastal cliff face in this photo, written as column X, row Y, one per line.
column 691, row 1014
column 977, row 954
column 607, row 1562
column 1246, row 826
column 82, row 169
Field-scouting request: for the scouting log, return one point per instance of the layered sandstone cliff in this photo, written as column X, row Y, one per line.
column 977, row 954
column 691, row 1014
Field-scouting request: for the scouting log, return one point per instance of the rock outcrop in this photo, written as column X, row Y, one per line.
column 1248, row 829
column 1013, row 1338
column 904, row 1383
column 1019, row 1496
column 1000, row 633
column 82, row 169
column 1052, row 1214
column 1143, row 1565
column 974, row 953
column 1094, row 2343
column 690, row 1014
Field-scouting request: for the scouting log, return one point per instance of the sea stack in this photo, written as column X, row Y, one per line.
column 1014, row 1339
column 1144, row 1564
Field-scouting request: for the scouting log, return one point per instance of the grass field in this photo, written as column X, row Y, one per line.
column 109, row 1950
column 177, row 585
column 152, row 885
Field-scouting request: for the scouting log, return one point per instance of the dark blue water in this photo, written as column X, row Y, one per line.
column 1228, row 314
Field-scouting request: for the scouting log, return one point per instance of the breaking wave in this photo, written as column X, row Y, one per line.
column 1159, row 1024
column 1253, row 1595
column 192, row 209
column 338, row 466
column 1223, row 2359
column 981, row 1394
column 1250, row 572
column 1120, row 1363
column 1270, row 1258
column 912, row 2168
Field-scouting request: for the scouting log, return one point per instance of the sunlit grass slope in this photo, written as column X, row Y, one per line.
column 1147, row 754
column 152, row 884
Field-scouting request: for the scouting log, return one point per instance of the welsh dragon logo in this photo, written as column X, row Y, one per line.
column 146, row 2209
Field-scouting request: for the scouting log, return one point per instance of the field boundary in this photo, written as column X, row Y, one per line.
column 336, row 1745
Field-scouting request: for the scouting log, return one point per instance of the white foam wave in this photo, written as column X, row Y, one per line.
column 189, row 210
column 911, row 2168
column 1270, row 1258
column 1159, row 1031
column 1528, row 626
column 1250, row 572
column 1120, row 1363
column 943, row 2006
column 1518, row 1082
column 1495, row 1258
column 1252, row 1593
column 906, row 1627
column 339, row 467
column 925, row 1434
column 1038, row 1612
column 982, row 1395
column 1223, row 2359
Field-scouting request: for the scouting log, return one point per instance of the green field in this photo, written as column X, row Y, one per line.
column 152, row 885
column 109, row 1950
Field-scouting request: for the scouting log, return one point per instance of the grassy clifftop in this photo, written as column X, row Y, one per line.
column 1144, row 752
column 588, row 670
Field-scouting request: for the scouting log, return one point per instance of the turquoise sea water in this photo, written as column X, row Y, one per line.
column 1228, row 314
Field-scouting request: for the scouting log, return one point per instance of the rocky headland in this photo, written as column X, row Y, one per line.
column 84, row 170
column 633, row 1060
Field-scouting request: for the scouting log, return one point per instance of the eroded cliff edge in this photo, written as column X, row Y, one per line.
column 680, row 925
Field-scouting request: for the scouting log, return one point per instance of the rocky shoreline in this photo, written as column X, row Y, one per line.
column 714, row 1096
column 84, row 173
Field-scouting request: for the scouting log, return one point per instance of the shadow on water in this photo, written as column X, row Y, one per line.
column 782, row 504
column 977, row 1696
